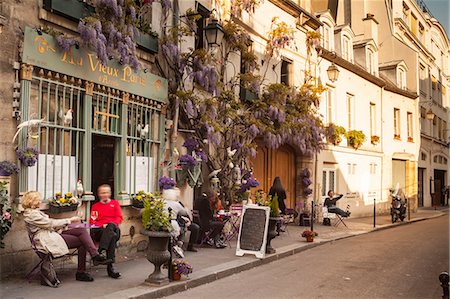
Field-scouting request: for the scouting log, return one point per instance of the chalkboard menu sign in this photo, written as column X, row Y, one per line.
column 253, row 231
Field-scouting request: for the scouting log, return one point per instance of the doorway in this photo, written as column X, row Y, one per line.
column 103, row 150
column 270, row 163
column 420, row 187
column 439, row 185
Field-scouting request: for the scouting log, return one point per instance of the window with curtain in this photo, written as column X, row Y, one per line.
column 370, row 61
column 396, row 123
column 286, row 70
column 401, row 78
column 409, row 120
column 326, row 36
column 350, row 111
column 346, row 48
column 329, row 104
column 373, row 120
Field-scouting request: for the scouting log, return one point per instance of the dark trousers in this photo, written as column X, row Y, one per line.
column 194, row 228
column 216, row 228
column 79, row 238
column 336, row 210
column 107, row 237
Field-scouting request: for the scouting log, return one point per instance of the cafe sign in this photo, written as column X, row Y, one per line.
column 43, row 51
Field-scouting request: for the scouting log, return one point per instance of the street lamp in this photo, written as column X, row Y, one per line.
column 214, row 32
column 333, row 72
column 430, row 114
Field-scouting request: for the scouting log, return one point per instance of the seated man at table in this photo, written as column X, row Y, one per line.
column 207, row 221
column 106, row 214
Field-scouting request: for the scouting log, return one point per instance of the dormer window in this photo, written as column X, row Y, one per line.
column 401, row 80
column 346, row 49
column 370, row 61
column 326, row 37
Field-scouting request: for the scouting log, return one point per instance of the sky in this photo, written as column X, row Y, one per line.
column 441, row 11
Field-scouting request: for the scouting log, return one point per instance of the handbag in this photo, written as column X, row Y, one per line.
column 48, row 273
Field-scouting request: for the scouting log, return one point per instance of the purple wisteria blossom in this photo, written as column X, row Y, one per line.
column 191, row 144
column 202, row 155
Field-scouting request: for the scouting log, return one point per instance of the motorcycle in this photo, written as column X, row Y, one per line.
column 398, row 206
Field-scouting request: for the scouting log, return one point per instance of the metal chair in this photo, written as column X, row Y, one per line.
column 330, row 215
column 204, row 236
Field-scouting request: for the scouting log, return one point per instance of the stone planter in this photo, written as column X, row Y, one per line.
column 272, row 233
column 62, row 209
column 157, row 254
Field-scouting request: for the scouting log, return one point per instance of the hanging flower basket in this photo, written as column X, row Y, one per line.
column 355, row 138
column 28, row 156
column 8, row 168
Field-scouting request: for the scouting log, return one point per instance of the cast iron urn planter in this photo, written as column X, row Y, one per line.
column 157, row 254
column 272, row 233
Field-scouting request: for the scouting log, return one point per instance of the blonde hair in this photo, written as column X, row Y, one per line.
column 31, row 199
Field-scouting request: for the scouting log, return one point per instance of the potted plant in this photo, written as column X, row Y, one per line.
column 8, row 168
column 262, row 200
column 6, row 212
column 61, row 204
column 334, row 134
column 309, row 235
column 179, row 267
column 355, row 138
column 137, row 200
column 28, row 156
column 157, row 227
column 374, row 139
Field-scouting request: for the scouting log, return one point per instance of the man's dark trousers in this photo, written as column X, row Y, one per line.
column 107, row 238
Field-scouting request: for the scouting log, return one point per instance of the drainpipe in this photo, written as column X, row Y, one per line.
column 381, row 143
column 173, row 140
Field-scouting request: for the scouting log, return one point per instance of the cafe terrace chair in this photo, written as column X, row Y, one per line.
column 287, row 218
column 338, row 219
column 36, row 269
column 204, row 236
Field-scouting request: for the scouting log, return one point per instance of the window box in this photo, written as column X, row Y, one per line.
column 71, row 9
column 148, row 42
column 397, row 137
column 410, row 139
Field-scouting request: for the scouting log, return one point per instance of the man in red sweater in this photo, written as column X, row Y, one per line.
column 107, row 215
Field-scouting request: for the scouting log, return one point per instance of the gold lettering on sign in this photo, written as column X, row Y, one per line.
column 130, row 77
column 98, row 66
column 68, row 57
column 42, row 45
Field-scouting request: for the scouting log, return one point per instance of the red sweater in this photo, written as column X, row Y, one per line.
column 110, row 212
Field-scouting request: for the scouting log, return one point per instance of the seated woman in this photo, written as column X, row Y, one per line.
column 52, row 237
column 207, row 221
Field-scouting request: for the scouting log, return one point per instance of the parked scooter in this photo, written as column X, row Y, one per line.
column 398, row 205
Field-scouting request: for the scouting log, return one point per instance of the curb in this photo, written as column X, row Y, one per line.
column 214, row 273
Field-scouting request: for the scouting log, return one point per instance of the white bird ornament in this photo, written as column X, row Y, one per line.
column 230, row 152
column 214, row 173
column 144, row 132
column 31, row 122
column 68, row 117
column 80, row 188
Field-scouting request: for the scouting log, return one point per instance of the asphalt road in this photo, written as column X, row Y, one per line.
column 401, row 262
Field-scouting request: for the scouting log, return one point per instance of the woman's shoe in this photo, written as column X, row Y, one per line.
column 101, row 260
column 83, row 276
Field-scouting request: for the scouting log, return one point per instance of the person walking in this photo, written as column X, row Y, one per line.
column 107, row 214
column 54, row 238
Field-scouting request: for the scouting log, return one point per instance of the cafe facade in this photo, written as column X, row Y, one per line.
column 91, row 124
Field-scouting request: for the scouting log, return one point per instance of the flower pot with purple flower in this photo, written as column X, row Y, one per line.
column 166, row 183
column 28, row 156
column 8, row 168
column 188, row 162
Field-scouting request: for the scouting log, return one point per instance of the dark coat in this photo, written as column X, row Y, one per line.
column 203, row 207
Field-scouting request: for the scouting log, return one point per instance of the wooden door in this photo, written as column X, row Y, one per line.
column 269, row 164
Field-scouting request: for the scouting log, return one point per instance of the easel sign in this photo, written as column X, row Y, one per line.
column 252, row 237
